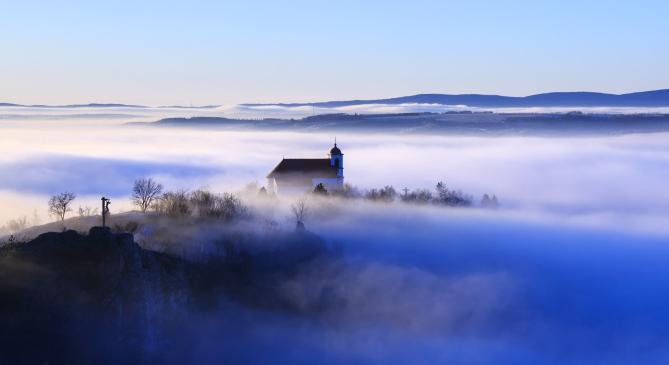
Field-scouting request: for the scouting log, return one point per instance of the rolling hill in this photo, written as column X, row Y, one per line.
column 657, row 98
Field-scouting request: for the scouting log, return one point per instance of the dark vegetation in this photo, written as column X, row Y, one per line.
column 200, row 204
column 205, row 205
column 442, row 196
column 464, row 122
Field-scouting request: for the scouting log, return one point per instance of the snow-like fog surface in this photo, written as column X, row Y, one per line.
column 427, row 286
column 611, row 181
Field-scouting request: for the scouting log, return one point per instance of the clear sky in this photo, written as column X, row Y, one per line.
column 222, row 52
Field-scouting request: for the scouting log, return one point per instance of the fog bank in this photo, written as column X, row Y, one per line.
column 570, row 269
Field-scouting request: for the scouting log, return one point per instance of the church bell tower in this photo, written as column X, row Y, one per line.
column 337, row 160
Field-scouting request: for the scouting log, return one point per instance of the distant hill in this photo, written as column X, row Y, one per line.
column 467, row 122
column 104, row 105
column 657, row 98
column 91, row 105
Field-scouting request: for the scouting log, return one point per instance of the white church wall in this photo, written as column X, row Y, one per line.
column 331, row 184
column 271, row 185
column 340, row 159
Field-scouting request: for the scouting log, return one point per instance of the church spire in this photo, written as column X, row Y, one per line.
column 335, row 150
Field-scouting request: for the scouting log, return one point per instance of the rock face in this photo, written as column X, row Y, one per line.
column 69, row 298
column 101, row 298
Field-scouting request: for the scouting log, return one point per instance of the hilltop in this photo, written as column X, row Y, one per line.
column 656, row 98
column 70, row 297
column 449, row 122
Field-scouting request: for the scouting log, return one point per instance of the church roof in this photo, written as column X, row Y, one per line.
column 312, row 167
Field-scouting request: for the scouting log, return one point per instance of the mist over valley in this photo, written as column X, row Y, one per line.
column 572, row 254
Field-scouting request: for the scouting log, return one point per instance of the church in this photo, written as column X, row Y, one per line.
column 299, row 175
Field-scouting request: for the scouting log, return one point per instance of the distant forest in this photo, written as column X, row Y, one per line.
column 465, row 122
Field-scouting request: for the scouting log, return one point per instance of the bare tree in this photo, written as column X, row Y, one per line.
column 226, row 206
column 17, row 225
column 144, row 192
column 418, row 196
column 174, row 203
column 87, row 211
column 386, row 194
column 36, row 218
column 60, row 204
column 300, row 211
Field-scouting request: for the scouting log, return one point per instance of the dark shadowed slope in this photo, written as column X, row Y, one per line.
column 100, row 298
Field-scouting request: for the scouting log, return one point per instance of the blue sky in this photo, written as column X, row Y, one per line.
column 204, row 52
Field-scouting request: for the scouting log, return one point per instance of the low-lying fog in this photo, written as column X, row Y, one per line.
column 610, row 181
column 570, row 269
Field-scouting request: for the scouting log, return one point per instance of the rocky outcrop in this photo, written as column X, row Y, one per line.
column 101, row 298
column 101, row 293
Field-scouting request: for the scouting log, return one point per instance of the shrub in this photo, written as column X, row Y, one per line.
column 452, row 198
column 320, row 189
column 488, row 202
column 418, row 196
column 349, row 191
column 18, row 224
column 201, row 203
column 386, row 194
column 228, row 207
column 174, row 204
column 87, row 211
column 129, row 227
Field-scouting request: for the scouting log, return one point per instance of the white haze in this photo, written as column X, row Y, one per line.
column 608, row 181
column 116, row 115
column 279, row 111
column 424, row 285
column 571, row 268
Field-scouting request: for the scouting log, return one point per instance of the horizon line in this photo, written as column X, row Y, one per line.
column 112, row 104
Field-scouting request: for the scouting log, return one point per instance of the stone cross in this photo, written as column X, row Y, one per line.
column 105, row 209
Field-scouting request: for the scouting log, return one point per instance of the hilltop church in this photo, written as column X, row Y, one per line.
column 298, row 175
